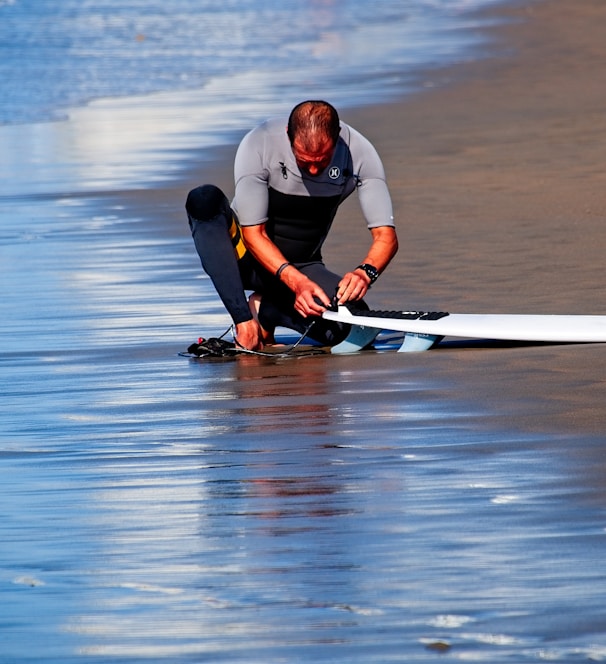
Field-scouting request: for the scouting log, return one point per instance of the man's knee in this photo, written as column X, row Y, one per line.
column 207, row 202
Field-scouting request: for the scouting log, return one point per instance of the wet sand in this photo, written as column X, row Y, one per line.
column 498, row 185
column 497, row 178
column 368, row 508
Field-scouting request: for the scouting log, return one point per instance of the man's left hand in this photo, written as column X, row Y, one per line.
column 353, row 286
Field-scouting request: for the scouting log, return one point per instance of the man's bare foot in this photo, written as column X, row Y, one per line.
column 254, row 304
column 249, row 335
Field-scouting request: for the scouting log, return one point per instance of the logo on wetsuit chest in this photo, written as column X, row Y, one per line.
column 334, row 172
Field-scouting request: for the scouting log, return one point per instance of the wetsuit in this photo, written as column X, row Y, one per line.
column 297, row 209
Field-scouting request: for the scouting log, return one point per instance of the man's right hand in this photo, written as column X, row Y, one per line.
column 310, row 299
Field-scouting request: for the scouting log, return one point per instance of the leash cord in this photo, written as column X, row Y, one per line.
column 285, row 353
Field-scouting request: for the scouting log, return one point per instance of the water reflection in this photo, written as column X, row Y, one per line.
column 256, row 398
column 248, row 541
column 358, row 509
column 295, row 510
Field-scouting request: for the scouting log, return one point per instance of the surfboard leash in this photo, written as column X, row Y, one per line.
column 221, row 347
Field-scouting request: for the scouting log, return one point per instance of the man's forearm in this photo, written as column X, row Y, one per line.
column 262, row 248
column 383, row 248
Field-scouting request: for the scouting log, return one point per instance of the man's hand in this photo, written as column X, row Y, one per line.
column 353, row 286
column 310, row 299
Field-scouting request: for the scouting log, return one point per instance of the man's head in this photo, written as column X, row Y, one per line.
column 313, row 131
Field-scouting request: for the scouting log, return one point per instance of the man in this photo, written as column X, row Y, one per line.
column 290, row 180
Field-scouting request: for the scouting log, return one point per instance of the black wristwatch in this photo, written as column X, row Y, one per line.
column 371, row 271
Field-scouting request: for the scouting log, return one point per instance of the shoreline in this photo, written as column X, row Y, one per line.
column 480, row 231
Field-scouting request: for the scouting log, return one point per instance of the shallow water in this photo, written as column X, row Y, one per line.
column 140, row 87
column 369, row 508
column 58, row 56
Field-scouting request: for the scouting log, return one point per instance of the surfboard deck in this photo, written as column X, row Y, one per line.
column 425, row 329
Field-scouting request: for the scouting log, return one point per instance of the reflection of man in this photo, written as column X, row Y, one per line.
column 290, row 182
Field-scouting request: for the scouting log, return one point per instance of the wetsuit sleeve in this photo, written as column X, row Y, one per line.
column 251, row 198
column 373, row 192
column 375, row 202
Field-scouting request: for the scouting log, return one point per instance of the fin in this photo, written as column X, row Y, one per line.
column 359, row 337
column 417, row 342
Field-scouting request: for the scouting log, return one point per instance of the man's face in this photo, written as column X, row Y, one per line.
column 313, row 163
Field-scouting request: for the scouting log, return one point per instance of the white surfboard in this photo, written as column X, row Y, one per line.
column 425, row 329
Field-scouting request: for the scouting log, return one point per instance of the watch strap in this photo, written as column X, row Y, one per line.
column 371, row 271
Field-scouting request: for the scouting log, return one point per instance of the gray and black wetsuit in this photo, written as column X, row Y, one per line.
column 297, row 210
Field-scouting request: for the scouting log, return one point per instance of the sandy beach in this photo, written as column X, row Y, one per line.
column 497, row 169
column 359, row 509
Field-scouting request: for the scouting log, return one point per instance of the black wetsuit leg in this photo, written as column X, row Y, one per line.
column 210, row 218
